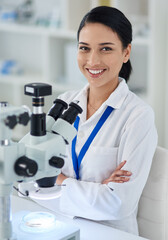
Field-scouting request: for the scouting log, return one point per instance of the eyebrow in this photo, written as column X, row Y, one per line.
column 83, row 43
column 106, row 43
column 101, row 44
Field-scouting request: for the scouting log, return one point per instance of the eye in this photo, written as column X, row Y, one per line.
column 83, row 48
column 106, row 49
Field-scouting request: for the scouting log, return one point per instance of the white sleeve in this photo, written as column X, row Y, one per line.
column 116, row 200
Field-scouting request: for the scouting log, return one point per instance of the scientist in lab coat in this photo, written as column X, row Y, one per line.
column 109, row 161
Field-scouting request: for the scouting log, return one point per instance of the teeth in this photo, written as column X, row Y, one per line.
column 95, row 71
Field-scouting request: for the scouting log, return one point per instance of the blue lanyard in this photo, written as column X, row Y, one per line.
column 77, row 160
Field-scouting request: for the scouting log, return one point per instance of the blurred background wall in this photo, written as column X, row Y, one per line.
column 38, row 44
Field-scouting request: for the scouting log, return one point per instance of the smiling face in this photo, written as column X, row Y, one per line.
column 101, row 55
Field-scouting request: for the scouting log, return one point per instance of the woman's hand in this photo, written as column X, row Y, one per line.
column 118, row 176
column 60, row 178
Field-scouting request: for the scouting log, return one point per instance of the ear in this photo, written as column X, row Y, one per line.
column 127, row 52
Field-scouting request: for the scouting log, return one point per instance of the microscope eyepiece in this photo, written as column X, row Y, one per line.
column 57, row 109
column 72, row 112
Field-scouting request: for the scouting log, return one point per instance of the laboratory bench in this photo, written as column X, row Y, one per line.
column 89, row 230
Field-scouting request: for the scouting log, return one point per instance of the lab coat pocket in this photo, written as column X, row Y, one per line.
column 99, row 163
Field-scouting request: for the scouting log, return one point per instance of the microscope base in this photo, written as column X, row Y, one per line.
column 61, row 231
column 38, row 193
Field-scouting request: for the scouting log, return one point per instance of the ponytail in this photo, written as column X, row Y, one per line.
column 126, row 70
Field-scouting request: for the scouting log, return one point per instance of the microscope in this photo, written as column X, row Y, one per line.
column 39, row 156
column 10, row 152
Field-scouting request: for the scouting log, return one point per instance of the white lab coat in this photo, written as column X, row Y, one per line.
column 129, row 134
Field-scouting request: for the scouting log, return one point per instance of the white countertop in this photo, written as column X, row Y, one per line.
column 89, row 230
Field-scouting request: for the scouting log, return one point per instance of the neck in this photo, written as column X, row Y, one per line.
column 97, row 96
column 96, row 99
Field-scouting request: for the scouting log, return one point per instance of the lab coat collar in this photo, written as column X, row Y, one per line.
column 117, row 97
column 115, row 100
column 81, row 98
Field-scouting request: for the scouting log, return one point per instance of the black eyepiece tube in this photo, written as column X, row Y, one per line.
column 38, row 124
column 58, row 108
column 72, row 112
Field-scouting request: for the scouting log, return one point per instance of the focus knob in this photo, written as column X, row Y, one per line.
column 25, row 167
column 24, row 118
column 11, row 121
column 56, row 162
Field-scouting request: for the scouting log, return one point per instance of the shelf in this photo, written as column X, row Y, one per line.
column 27, row 78
column 52, row 32
column 37, row 30
column 63, row 87
column 20, row 79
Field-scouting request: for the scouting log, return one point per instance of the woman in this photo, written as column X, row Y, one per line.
column 96, row 186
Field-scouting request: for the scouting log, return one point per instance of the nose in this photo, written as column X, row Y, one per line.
column 93, row 58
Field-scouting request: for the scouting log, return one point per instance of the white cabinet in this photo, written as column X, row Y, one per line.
column 42, row 53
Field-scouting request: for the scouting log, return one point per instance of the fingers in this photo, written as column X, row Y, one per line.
column 121, row 165
column 118, row 173
column 116, row 180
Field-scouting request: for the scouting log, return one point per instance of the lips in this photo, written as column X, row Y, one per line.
column 94, row 73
